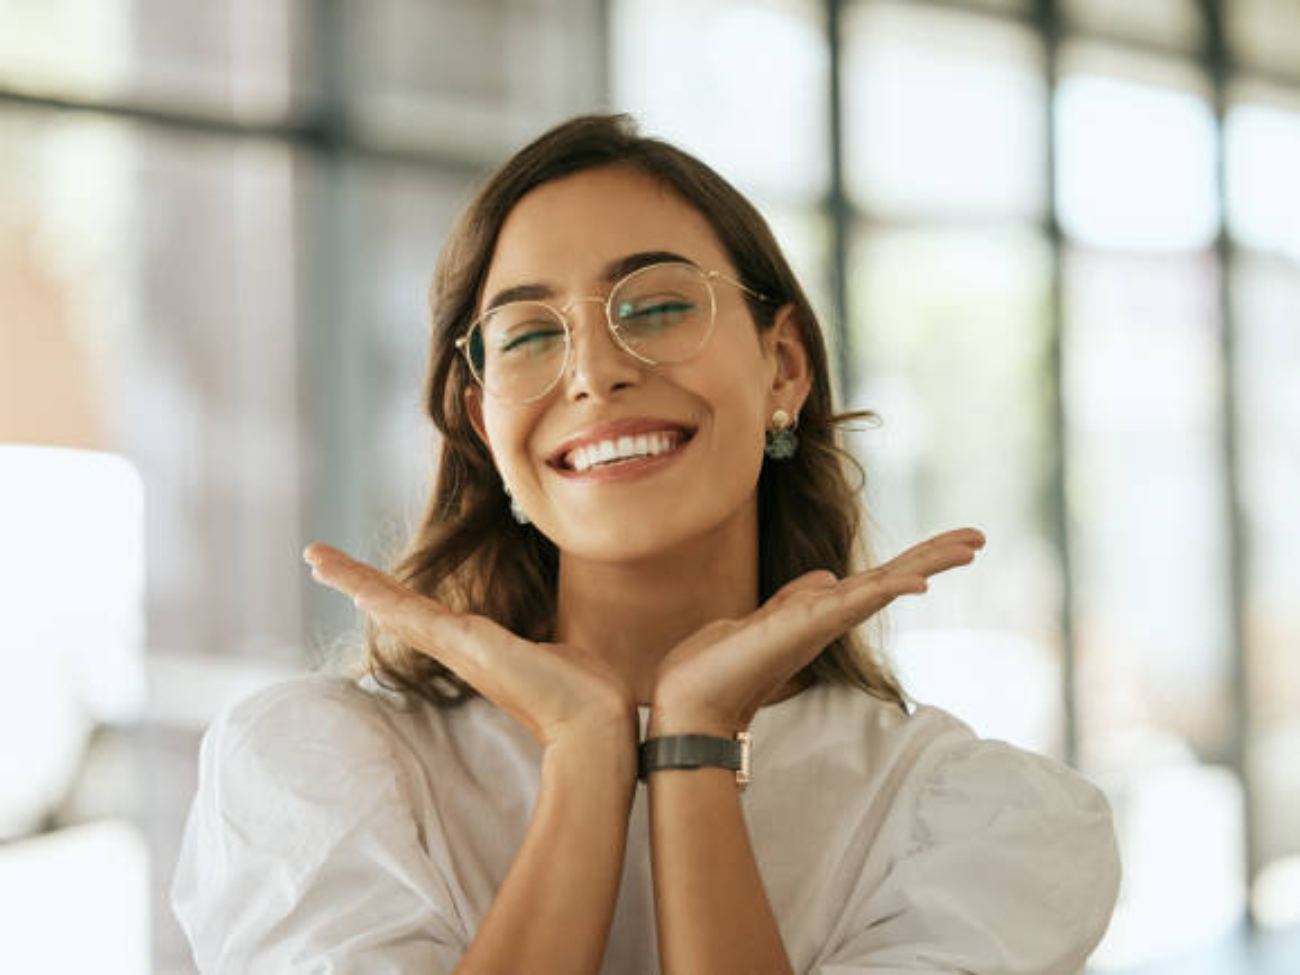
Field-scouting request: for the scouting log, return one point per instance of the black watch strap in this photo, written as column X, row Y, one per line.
column 696, row 751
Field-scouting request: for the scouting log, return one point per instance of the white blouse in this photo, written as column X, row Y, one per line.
column 336, row 831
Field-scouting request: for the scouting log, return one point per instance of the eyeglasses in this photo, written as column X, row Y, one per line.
column 662, row 314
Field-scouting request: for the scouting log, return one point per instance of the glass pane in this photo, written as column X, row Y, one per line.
column 155, row 281
column 1136, row 157
column 741, row 84
column 944, row 113
column 951, row 349
column 226, row 59
column 468, row 79
column 1168, row 23
column 1265, row 34
column 1143, row 408
column 402, row 217
column 1150, row 560
column 1266, row 303
column 1263, row 158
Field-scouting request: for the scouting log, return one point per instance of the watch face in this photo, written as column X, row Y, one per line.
column 745, row 775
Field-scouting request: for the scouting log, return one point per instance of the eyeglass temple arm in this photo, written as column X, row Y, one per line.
column 745, row 288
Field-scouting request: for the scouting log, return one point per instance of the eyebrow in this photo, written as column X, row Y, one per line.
column 618, row 268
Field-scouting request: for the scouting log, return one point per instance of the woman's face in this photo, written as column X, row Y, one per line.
column 712, row 410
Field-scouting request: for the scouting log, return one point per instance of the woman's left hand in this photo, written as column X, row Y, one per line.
column 715, row 681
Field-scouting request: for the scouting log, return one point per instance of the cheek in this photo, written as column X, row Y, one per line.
column 735, row 405
column 508, row 432
column 739, row 399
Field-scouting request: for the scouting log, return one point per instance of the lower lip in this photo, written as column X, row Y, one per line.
column 628, row 470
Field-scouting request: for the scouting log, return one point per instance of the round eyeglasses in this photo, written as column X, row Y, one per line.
column 661, row 314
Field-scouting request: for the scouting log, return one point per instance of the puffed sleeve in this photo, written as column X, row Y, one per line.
column 1012, row 869
column 301, row 852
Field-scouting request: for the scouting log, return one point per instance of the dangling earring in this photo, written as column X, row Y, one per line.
column 781, row 440
column 516, row 509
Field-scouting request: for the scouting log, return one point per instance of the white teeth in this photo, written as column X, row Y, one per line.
column 606, row 451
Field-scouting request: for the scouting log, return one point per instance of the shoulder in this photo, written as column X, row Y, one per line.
column 949, row 786
column 975, row 786
column 317, row 739
column 941, row 757
column 1001, row 859
column 1033, row 829
column 305, row 844
column 958, row 762
column 312, row 706
column 317, row 699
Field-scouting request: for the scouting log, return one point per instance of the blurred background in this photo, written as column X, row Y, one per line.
column 1054, row 244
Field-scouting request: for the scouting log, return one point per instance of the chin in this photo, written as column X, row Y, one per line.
column 634, row 536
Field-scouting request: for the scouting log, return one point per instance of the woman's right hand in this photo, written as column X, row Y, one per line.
column 553, row 690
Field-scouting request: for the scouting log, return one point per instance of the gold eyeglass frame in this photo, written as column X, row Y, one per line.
column 462, row 343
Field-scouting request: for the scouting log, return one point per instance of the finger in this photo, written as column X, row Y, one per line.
column 824, row 614
column 421, row 622
column 969, row 537
column 908, row 572
column 936, row 554
column 871, row 594
column 352, row 577
column 824, row 608
column 933, row 561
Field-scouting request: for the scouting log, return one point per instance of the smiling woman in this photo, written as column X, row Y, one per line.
column 630, row 207
column 641, row 562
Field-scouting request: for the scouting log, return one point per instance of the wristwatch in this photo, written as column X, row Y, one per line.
column 697, row 751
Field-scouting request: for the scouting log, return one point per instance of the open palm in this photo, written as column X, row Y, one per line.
column 552, row 689
column 721, row 675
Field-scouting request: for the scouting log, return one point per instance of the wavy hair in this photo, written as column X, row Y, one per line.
column 471, row 555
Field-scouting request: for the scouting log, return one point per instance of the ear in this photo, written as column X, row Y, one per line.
column 784, row 348
column 474, row 410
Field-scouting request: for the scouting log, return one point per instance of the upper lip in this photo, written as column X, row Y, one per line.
column 612, row 430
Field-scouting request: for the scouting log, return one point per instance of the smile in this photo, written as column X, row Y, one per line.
column 628, row 454
column 621, row 450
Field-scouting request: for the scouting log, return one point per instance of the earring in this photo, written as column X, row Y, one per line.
column 516, row 509
column 781, row 440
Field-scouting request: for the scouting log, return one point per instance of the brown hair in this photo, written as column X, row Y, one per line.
column 470, row 554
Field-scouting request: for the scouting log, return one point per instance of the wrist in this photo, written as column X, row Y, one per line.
column 606, row 745
column 599, row 769
column 668, row 719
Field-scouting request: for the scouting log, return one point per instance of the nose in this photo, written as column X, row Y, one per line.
column 598, row 365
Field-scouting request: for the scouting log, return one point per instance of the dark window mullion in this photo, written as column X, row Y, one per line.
column 1049, row 27
column 1218, row 66
column 838, row 208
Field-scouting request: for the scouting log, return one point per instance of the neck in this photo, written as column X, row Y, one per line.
column 632, row 613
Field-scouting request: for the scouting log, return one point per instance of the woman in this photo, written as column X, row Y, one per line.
column 642, row 529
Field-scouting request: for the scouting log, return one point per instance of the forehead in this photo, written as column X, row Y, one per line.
column 565, row 231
